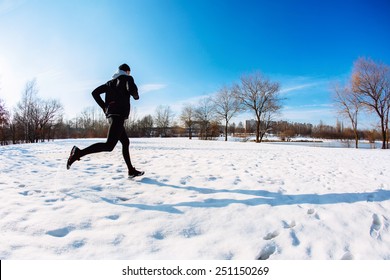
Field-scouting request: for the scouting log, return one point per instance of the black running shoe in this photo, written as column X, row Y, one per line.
column 74, row 155
column 134, row 173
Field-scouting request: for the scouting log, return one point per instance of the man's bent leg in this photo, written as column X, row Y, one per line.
column 125, row 149
column 113, row 136
column 126, row 155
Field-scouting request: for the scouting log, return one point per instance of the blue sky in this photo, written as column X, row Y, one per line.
column 181, row 50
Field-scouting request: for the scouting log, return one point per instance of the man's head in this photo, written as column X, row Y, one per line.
column 125, row 67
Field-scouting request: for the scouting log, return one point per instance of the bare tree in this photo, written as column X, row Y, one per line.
column 132, row 121
column 204, row 115
column 259, row 95
column 267, row 119
column 371, row 83
column 240, row 128
column 92, row 122
column 144, row 127
column 3, row 114
column 50, row 113
column 187, row 117
column 4, row 122
column 348, row 106
column 26, row 111
column 163, row 119
column 34, row 116
column 387, row 123
column 226, row 106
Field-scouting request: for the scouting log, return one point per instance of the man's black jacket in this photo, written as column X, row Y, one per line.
column 117, row 99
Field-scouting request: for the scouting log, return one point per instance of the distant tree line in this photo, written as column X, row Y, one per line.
column 35, row 119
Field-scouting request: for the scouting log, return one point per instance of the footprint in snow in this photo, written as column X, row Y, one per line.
column 271, row 235
column 212, row 178
column 289, row 225
column 376, row 227
column 185, row 179
column 158, row 235
column 113, row 217
column 26, row 193
column 78, row 244
column 310, row 211
column 228, row 256
column 118, row 239
column 51, row 200
column 267, row 251
column 96, row 188
column 295, row 240
column 61, row 232
column 347, row 256
column 190, row 232
column 237, row 180
column 293, row 235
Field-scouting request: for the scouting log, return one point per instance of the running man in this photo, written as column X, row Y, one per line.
column 117, row 109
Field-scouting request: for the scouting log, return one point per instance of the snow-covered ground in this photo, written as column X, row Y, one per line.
column 198, row 200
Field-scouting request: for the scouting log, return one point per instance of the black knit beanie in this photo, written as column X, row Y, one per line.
column 124, row 67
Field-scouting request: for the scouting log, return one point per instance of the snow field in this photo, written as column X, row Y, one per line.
column 197, row 200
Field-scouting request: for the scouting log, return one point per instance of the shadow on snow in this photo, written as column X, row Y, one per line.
column 262, row 198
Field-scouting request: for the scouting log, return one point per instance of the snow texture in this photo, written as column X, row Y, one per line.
column 197, row 200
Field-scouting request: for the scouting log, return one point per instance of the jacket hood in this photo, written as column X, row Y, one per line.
column 119, row 73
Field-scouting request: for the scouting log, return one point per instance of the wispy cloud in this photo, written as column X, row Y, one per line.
column 297, row 87
column 296, row 84
column 151, row 87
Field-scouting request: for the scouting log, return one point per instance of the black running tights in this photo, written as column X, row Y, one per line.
column 116, row 133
